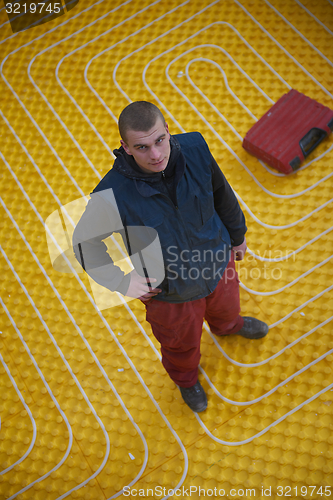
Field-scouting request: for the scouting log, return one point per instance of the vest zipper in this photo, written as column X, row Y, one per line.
column 163, row 176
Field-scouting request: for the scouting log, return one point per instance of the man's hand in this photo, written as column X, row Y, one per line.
column 239, row 251
column 139, row 289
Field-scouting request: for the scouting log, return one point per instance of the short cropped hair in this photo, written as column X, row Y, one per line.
column 138, row 116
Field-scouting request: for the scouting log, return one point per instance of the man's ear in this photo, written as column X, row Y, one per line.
column 167, row 128
column 124, row 145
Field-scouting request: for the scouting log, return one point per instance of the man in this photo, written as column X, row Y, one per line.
column 173, row 185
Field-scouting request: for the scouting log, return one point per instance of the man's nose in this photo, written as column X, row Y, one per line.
column 154, row 153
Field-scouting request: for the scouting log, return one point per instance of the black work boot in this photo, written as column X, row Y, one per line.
column 253, row 328
column 194, row 397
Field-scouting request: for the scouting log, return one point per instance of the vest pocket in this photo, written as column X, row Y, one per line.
column 154, row 220
column 205, row 210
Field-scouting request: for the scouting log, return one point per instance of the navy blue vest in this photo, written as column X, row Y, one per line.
column 195, row 243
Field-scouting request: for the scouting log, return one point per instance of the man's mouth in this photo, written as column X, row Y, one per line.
column 158, row 163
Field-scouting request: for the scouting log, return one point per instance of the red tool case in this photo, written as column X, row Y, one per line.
column 289, row 131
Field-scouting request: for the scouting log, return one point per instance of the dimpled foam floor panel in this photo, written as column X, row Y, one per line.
column 87, row 410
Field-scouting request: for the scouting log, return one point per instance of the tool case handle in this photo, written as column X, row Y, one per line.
column 311, row 140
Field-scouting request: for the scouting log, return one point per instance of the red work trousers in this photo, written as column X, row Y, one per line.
column 178, row 327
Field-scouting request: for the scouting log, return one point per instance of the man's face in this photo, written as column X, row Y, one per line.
column 151, row 150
